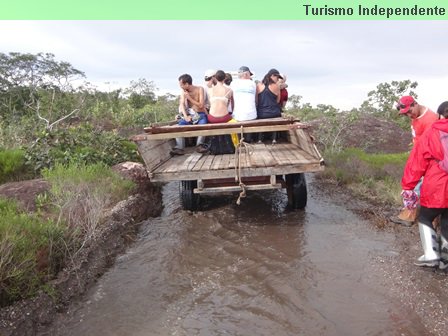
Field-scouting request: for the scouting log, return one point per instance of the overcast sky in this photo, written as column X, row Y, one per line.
column 326, row 62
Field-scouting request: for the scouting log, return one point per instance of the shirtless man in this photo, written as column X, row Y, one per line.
column 191, row 107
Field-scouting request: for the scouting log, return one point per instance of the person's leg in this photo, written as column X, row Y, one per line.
column 444, row 240
column 180, row 142
column 202, row 120
column 428, row 237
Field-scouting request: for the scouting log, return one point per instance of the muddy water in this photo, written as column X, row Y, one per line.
column 254, row 269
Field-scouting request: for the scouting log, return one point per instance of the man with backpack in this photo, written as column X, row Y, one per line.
column 429, row 158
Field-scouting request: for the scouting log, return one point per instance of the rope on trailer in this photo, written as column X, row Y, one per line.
column 242, row 148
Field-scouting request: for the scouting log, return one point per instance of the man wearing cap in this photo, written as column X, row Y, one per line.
column 244, row 98
column 421, row 116
column 421, row 119
column 429, row 158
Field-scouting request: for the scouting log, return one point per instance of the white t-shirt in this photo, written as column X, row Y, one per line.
column 244, row 91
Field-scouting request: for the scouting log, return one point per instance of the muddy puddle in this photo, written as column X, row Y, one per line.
column 253, row 269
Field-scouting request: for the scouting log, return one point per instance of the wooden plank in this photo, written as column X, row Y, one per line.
column 188, row 162
column 230, row 173
column 199, row 163
column 226, row 162
column 154, row 153
column 300, row 156
column 262, row 156
column 173, row 164
column 156, row 129
column 188, row 132
column 279, row 152
column 216, row 162
column 213, row 190
column 208, row 162
column 196, row 157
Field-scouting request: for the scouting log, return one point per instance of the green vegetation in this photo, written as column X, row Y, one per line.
column 34, row 247
column 374, row 175
column 30, row 252
column 12, row 164
column 82, row 144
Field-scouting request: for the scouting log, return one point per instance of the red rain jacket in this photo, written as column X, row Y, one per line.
column 424, row 161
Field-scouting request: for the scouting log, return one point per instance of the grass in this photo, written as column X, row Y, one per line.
column 29, row 252
column 12, row 164
column 35, row 246
column 377, row 176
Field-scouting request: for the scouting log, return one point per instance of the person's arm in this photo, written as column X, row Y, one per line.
column 285, row 96
column 258, row 89
column 231, row 101
column 416, row 165
column 182, row 104
column 200, row 102
column 275, row 90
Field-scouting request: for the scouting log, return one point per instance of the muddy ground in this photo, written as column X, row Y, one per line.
column 31, row 316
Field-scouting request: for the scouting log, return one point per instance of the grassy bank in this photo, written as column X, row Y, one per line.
column 34, row 247
column 373, row 176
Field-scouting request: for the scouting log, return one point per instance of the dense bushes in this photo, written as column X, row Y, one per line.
column 82, row 144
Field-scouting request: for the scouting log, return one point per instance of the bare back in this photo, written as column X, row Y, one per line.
column 220, row 98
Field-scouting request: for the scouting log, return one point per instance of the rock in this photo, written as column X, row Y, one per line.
column 25, row 192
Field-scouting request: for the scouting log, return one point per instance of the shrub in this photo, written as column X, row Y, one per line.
column 83, row 144
column 30, row 252
column 12, row 164
column 81, row 193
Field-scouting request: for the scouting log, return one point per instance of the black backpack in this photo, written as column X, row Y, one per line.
column 221, row 144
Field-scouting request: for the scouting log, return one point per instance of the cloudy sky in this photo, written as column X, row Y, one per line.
column 326, row 62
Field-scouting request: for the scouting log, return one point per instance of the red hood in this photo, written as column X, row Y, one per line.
column 441, row 125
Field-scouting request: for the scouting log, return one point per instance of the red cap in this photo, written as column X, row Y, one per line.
column 404, row 104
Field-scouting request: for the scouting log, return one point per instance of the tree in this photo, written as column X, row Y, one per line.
column 294, row 101
column 382, row 100
column 32, row 84
column 141, row 92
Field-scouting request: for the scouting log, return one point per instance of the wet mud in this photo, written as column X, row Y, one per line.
column 261, row 269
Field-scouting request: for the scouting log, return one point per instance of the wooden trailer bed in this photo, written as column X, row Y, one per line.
column 253, row 166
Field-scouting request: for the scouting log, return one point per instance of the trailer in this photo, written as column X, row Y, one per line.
column 255, row 166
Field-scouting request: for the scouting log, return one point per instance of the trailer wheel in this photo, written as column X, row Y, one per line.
column 189, row 200
column 297, row 191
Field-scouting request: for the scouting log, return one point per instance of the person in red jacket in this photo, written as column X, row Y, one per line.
column 429, row 158
column 421, row 119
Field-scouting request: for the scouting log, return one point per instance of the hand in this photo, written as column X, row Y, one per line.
column 410, row 199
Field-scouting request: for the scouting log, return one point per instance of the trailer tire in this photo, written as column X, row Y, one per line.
column 297, row 191
column 189, row 200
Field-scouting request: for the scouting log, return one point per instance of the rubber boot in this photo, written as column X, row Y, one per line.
column 431, row 248
column 443, row 265
column 406, row 217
